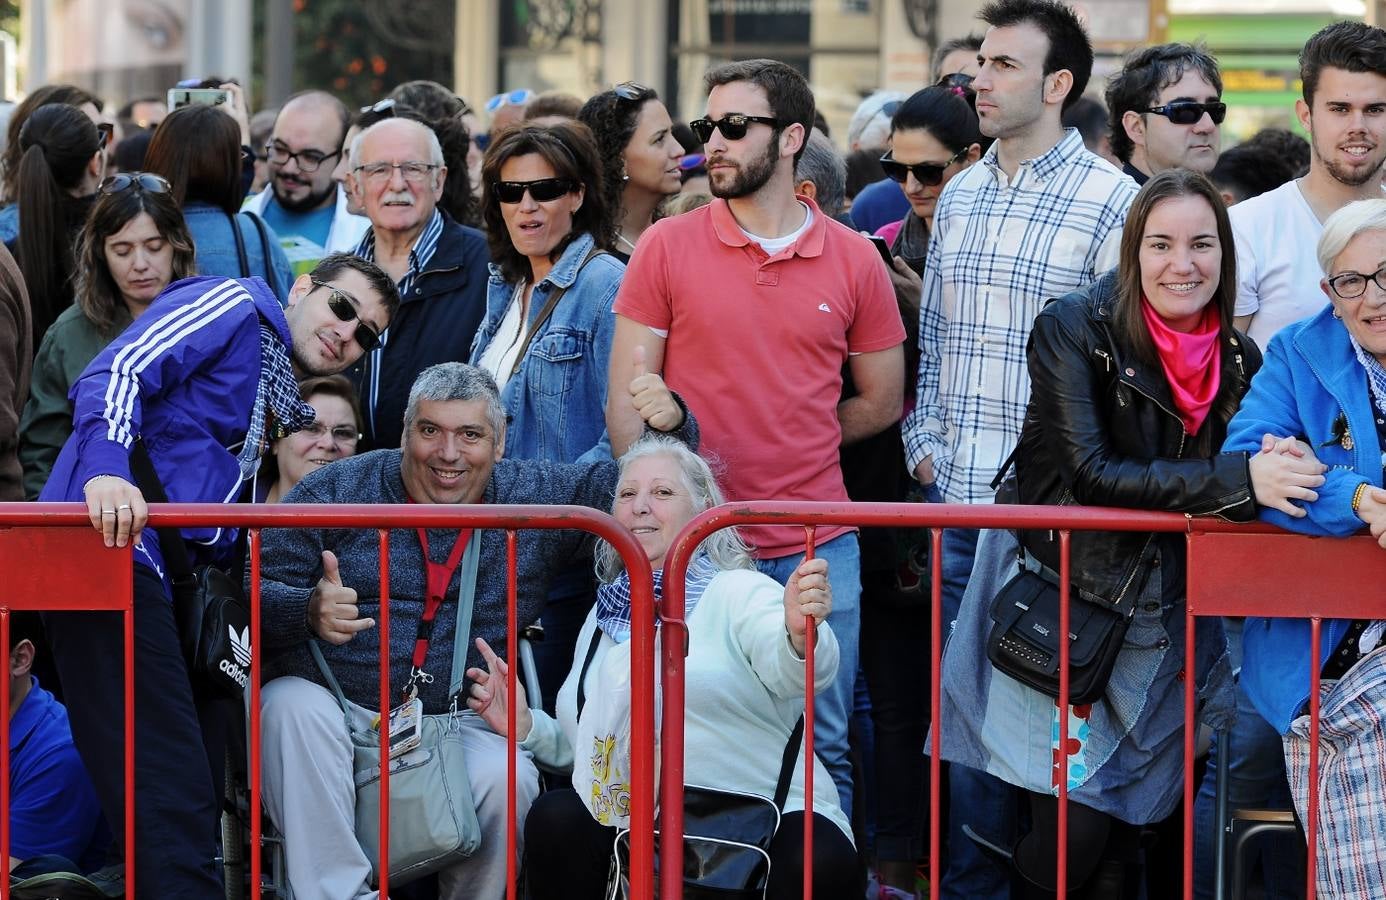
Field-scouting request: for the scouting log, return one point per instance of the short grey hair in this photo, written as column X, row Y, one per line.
column 1347, row 223
column 435, row 149
column 825, row 167
column 455, row 381
column 725, row 548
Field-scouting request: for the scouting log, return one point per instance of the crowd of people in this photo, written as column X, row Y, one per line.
column 553, row 300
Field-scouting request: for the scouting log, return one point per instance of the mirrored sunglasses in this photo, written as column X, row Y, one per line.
column 140, row 181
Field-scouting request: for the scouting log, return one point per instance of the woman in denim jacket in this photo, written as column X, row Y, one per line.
column 547, row 332
column 198, row 149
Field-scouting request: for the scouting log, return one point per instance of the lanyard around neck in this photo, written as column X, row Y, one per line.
column 438, row 576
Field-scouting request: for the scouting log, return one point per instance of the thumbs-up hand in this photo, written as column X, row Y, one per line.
column 652, row 398
column 332, row 613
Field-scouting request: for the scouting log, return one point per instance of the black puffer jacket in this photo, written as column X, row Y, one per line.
column 1101, row 430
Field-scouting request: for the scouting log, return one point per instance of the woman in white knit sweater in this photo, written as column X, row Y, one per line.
column 744, row 677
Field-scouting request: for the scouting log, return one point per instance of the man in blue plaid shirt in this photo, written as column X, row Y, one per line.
column 1038, row 217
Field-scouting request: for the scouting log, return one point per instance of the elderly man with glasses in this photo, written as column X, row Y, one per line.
column 303, row 204
column 395, row 172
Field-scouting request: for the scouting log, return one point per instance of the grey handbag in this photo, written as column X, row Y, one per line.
column 433, row 822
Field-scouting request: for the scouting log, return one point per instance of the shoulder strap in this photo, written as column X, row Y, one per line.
column 170, row 539
column 548, row 310
column 466, row 598
column 240, row 245
column 587, row 664
column 791, row 755
column 271, row 276
column 330, row 679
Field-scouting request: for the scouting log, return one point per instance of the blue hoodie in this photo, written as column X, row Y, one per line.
column 183, row 377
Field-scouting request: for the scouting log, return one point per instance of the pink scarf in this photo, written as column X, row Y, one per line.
column 1192, row 362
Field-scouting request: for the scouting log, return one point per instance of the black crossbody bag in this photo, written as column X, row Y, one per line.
column 1024, row 638
column 208, row 605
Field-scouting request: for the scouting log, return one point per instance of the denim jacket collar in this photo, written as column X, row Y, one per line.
column 564, row 272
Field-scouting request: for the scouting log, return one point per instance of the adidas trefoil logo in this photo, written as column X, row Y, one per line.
column 240, row 649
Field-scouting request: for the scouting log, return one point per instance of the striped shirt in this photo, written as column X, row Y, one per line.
column 419, row 256
column 1000, row 248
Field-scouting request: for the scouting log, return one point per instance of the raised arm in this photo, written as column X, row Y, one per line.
column 624, row 423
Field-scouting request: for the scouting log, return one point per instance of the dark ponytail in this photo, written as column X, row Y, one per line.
column 56, row 144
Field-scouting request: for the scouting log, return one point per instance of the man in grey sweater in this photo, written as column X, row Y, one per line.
column 324, row 584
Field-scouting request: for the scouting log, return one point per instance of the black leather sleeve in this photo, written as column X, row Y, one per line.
column 1068, row 388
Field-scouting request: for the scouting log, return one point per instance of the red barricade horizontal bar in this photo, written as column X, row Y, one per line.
column 1283, row 574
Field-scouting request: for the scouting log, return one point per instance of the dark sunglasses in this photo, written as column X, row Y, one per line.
column 383, row 108
column 105, row 134
column 927, row 174
column 1188, row 112
column 541, row 189
column 344, row 309
column 733, row 126
column 631, row 90
column 140, row 181
column 956, row 80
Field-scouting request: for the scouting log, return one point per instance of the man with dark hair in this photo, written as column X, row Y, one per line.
column 1039, row 216
column 1089, row 116
column 749, row 307
column 304, row 205
column 1343, row 68
column 1249, row 170
column 204, row 379
column 1165, row 106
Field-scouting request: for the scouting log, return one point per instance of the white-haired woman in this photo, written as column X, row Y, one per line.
column 1324, row 380
column 745, row 686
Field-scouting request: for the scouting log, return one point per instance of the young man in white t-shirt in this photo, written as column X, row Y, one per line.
column 1343, row 68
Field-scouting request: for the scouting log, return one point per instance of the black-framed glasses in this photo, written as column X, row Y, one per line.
column 733, row 126
column 343, row 435
column 414, row 172
column 1351, row 285
column 140, row 181
column 309, row 161
column 632, row 90
column 105, row 134
column 541, row 189
column 343, row 308
column 927, row 174
column 1188, row 112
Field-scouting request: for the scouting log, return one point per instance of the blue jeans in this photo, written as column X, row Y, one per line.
column 833, row 707
column 984, row 802
column 1256, row 780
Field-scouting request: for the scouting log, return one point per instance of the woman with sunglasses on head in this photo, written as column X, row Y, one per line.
column 134, row 244
column 197, row 149
column 546, row 337
column 641, row 157
column 62, row 160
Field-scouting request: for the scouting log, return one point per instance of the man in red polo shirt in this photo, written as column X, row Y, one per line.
column 749, row 307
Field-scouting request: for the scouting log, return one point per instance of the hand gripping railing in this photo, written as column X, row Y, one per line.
column 35, row 586
column 1234, row 570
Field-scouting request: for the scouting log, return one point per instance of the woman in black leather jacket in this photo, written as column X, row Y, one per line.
column 1133, row 381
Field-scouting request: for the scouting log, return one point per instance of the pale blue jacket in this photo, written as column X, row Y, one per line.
column 1310, row 386
column 556, row 403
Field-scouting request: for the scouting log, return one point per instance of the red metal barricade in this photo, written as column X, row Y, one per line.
column 103, row 581
column 1230, row 574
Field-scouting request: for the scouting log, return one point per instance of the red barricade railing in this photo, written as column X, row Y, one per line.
column 1230, row 574
column 104, row 581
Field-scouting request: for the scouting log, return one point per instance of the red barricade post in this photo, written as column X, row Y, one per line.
column 810, row 639
column 102, row 583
